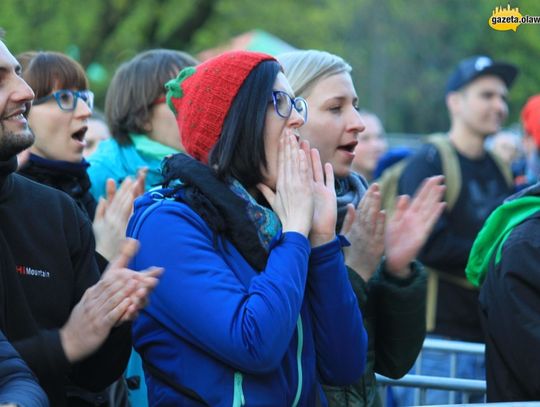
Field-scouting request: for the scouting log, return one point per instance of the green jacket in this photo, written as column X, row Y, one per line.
column 394, row 313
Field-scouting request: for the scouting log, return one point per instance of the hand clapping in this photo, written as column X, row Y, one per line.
column 114, row 299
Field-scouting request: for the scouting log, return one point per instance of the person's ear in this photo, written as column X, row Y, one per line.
column 453, row 100
column 148, row 126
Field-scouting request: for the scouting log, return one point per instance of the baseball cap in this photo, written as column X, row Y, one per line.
column 471, row 68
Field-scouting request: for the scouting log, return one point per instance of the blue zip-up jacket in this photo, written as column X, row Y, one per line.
column 17, row 384
column 235, row 336
column 112, row 160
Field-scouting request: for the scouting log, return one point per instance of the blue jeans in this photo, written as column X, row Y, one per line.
column 437, row 363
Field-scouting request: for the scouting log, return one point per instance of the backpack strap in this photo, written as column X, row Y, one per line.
column 452, row 179
column 452, row 171
column 388, row 183
column 450, row 167
column 389, row 179
column 505, row 169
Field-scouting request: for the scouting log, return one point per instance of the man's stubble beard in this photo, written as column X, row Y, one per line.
column 12, row 143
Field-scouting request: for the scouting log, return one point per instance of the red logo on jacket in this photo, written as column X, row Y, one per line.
column 29, row 271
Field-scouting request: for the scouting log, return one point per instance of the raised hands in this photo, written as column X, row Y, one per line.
column 364, row 228
column 323, row 229
column 112, row 214
column 293, row 199
column 409, row 227
column 305, row 197
column 117, row 297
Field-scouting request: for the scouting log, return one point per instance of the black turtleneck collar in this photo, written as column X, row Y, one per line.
column 71, row 178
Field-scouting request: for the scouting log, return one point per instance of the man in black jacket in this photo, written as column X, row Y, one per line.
column 476, row 97
column 66, row 322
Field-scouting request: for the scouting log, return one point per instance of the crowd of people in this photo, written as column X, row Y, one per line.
column 219, row 235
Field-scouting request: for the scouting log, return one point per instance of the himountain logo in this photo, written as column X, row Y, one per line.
column 29, row 271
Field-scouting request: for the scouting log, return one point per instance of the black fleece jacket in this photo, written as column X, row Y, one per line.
column 510, row 312
column 67, row 177
column 47, row 264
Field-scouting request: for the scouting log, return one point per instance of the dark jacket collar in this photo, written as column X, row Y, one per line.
column 6, row 168
column 533, row 190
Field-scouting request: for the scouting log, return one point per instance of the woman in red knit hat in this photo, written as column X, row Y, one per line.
column 255, row 307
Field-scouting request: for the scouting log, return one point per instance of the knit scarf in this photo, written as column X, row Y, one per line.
column 247, row 225
column 151, row 148
column 265, row 220
column 348, row 190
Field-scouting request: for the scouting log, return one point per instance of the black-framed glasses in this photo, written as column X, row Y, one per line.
column 283, row 105
column 67, row 99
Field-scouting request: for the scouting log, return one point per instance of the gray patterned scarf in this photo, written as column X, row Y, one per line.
column 348, row 190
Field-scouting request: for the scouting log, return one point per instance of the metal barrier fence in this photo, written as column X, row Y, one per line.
column 453, row 384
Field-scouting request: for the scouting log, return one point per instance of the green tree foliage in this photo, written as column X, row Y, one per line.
column 401, row 52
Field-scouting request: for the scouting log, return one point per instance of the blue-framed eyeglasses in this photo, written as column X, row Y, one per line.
column 67, row 99
column 283, row 104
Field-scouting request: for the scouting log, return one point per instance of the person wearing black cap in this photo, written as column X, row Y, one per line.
column 476, row 98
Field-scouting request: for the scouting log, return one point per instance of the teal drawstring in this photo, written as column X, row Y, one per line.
column 299, row 360
column 238, row 398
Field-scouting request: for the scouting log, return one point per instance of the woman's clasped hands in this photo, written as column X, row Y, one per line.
column 304, row 198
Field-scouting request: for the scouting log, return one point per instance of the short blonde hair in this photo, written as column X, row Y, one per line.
column 305, row 68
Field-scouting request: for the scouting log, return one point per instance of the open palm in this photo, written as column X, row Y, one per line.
column 323, row 228
column 366, row 233
column 409, row 227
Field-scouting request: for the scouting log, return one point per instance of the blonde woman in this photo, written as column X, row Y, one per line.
column 390, row 291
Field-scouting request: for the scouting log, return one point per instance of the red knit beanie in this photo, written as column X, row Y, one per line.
column 530, row 117
column 201, row 97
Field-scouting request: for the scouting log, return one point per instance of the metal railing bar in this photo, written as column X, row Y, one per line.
column 435, row 382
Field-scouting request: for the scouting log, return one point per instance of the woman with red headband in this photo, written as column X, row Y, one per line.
column 143, row 129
